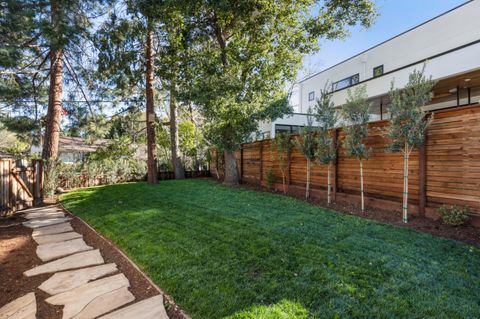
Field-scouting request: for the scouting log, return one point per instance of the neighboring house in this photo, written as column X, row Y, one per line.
column 73, row 149
column 448, row 45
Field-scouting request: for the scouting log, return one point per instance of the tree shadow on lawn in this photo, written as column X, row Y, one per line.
column 220, row 251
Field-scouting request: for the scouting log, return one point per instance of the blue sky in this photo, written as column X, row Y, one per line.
column 395, row 16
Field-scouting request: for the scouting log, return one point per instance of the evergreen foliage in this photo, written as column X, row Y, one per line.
column 408, row 122
column 356, row 114
column 327, row 118
column 307, row 144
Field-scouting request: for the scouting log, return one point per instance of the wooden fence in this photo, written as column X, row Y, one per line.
column 21, row 184
column 446, row 170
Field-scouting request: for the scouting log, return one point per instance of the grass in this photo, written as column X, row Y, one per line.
column 238, row 253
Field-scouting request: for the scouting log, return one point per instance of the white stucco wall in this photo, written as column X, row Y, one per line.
column 446, row 32
column 449, row 31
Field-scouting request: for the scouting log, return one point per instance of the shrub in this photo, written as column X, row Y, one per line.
column 454, row 215
column 51, row 175
column 270, row 178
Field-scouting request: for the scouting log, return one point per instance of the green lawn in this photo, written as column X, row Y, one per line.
column 224, row 252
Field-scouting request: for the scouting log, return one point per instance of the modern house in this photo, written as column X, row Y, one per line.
column 447, row 45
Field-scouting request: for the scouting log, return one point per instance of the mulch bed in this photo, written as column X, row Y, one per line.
column 18, row 253
column 467, row 233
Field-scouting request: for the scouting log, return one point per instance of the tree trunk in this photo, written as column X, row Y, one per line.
column 54, row 112
column 231, row 172
column 152, row 176
column 176, row 160
column 361, row 186
column 329, row 184
column 307, row 188
column 405, row 188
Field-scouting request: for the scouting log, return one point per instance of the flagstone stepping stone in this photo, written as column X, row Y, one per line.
column 24, row 307
column 44, row 215
column 68, row 280
column 151, row 308
column 36, row 223
column 55, row 238
column 43, row 208
column 83, row 259
column 94, row 298
column 54, row 229
column 52, row 251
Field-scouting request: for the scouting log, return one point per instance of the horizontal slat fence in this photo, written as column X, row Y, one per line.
column 21, row 184
column 446, row 170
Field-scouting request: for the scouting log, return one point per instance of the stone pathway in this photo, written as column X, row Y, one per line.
column 75, row 283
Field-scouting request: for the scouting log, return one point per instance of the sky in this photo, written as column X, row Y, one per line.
column 395, row 16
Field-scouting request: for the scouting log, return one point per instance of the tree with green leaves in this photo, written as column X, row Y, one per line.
column 284, row 145
column 246, row 54
column 409, row 122
column 126, row 58
column 356, row 114
column 327, row 119
column 306, row 142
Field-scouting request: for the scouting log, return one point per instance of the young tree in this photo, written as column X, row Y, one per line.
column 284, row 144
column 249, row 51
column 327, row 119
column 408, row 122
column 307, row 144
column 356, row 115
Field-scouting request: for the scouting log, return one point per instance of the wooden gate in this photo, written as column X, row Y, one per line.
column 21, row 184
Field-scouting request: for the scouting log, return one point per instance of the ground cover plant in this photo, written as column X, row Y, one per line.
column 230, row 252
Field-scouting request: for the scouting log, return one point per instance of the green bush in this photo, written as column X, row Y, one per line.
column 454, row 215
column 270, row 178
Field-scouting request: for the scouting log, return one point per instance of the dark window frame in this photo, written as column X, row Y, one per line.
column 290, row 128
column 350, row 80
column 376, row 68
column 311, row 96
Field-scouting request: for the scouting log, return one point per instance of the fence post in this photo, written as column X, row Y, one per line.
column 335, row 165
column 261, row 162
column 422, row 177
column 11, row 199
column 241, row 163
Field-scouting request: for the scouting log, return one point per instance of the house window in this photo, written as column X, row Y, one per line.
column 282, row 128
column 345, row 83
column 311, row 96
column 377, row 71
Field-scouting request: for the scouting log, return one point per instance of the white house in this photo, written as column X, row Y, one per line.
column 448, row 45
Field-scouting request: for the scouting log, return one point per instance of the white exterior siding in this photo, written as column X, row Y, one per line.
column 450, row 42
column 446, row 32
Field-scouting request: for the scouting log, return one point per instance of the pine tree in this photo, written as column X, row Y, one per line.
column 408, row 122
column 327, row 119
column 356, row 114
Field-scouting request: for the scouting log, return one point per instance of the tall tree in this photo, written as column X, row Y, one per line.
column 152, row 176
column 327, row 119
column 249, row 50
column 126, row 63
column 307, row 144
column 51, row 32
column 408, row 122
column 356, row 114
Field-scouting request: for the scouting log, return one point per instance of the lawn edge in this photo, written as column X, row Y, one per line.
column 168, row 299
